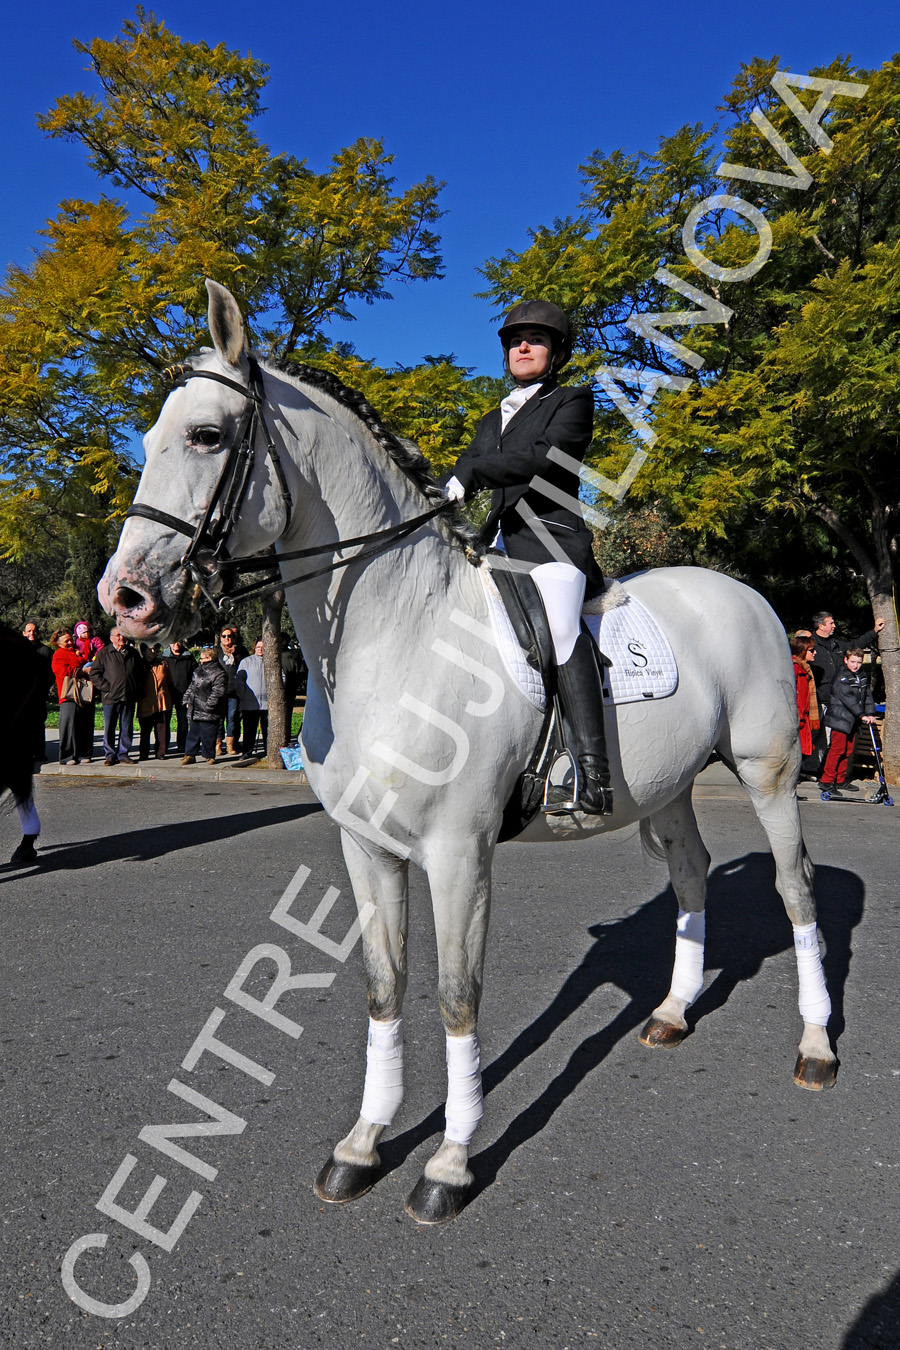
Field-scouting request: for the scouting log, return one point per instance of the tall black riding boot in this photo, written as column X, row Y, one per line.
column 581, row 690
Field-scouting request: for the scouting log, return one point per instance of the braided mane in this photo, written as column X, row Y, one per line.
column 405, row 454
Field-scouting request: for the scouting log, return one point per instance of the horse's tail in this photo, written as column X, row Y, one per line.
column 650, row 841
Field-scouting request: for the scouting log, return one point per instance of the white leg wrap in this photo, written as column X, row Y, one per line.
column 28, row 817
column 687, row 975
column 465, row 1101
column 815, row 1005
column 383, row 1092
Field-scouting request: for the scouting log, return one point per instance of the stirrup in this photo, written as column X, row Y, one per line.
column 561, row 800
column 558, row 799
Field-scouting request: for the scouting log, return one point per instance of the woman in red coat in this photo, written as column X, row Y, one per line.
column 76, row 722
column 803, row 651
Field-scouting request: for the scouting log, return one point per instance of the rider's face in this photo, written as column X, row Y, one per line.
column 530, row 354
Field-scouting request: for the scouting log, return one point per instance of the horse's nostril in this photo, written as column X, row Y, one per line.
column 126, row 598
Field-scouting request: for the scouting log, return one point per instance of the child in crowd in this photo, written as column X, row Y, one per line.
column 848, row 703
column 86, row 644
column 205, row 703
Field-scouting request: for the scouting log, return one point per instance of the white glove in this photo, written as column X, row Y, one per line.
column 454, row 490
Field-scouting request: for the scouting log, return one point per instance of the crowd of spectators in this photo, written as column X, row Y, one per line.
column 833, row 698
column 220, row 704
column 219, row 700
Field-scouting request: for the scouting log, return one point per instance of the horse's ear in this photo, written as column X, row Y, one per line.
column 226, row 326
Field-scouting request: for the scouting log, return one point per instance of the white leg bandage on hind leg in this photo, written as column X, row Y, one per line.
column 28, row 817
column 383, row 1092
column 687, row 975
column 465, row 1101
column 815, row 1005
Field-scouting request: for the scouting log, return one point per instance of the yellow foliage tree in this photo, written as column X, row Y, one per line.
column 116, row 294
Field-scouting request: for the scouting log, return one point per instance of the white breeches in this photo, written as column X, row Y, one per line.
column 562, row 590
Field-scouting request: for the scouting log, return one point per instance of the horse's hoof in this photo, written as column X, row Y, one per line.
column 815, row 1074
column 436, row 1202
column 339, row 1182
column 657, row 1032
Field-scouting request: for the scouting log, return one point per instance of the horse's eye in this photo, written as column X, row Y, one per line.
column 205, row 438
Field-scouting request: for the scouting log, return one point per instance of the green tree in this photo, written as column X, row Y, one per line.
column 437, row 404
column 777, row 397
column 116, row 294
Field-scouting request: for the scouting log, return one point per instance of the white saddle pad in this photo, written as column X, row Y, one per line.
column 643, row 661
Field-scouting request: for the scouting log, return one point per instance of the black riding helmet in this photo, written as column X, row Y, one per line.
column 540, row 314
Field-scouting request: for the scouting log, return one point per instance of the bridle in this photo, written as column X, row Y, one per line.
column 207, row 558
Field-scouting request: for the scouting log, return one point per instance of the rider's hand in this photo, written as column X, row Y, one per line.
column 454, row 490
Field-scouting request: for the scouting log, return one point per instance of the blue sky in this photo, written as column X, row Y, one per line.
column 501, row 101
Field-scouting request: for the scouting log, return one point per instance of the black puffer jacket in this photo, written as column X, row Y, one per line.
column 848, row 700
column 205, row 699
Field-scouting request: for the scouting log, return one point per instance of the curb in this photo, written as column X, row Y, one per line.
column 174, row 772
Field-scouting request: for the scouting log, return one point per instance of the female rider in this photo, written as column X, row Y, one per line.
column 511, row 453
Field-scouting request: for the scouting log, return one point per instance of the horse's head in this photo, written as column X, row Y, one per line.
column 208, row 491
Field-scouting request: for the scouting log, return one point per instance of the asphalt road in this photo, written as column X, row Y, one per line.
column 627, row 1198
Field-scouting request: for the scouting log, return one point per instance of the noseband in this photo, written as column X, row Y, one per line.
column 206, row 557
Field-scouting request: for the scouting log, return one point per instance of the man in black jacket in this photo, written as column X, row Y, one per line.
column 181, row 667
column 118, row 671
column 830, row 651
column 31, row 634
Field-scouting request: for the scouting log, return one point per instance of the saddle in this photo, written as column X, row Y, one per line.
column 525, row 609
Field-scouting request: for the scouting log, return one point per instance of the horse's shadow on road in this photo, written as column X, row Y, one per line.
column 746, row 924
column 877, row 1326
column 158, row 840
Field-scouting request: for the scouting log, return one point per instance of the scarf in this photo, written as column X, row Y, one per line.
column 813, row 701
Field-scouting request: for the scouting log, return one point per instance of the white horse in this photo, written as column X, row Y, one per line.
column 415, row 732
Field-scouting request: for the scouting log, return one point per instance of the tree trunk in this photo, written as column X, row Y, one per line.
column 882, row 598
column 279, row 731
